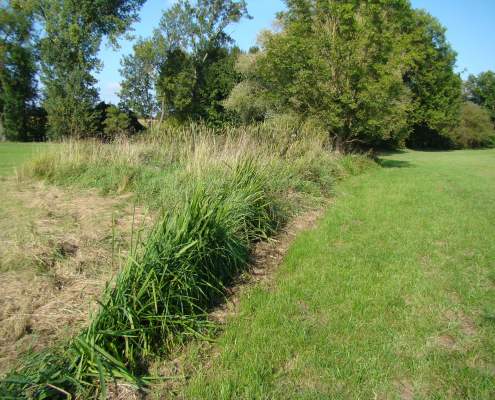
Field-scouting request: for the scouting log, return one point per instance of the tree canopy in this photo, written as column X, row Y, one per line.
column 73, row 32
column 370, row 71
column 18, row 57
column 481, row 91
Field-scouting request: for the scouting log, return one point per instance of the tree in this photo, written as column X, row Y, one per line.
column 197, row 71
column 481, row 91
column 246, row 98
column 340, row 62
column 215, row 81
column 18, row 58
column 176, row 84
column 73, row 33
column 475, row 129
column 430, row 76
column 116, row 123
column 139, row 72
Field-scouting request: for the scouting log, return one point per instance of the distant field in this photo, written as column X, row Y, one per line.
column 391, row 297
column 14, row 154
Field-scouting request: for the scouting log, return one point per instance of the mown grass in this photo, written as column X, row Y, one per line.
column 218, row 195
column 12, row 155
column 390, row 297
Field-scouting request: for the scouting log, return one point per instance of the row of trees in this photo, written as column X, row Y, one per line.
column 370, row 71
column 376, row 72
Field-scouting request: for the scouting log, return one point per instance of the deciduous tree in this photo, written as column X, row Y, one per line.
column 18, row 57
column 197, row 71
column 73, row 31
column 430, row 76
column 481, row 90
column 341, row 62
column 139, row 73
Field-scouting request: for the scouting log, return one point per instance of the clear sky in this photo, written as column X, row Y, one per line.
column 470, row 30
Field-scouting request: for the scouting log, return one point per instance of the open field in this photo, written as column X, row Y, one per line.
column 391, row 297
column 55, row 245
column 12, row 155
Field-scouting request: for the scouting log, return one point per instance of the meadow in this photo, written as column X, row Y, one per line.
column 212, row 198
column 390, row 297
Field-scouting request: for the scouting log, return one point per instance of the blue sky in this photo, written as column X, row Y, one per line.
column 470, row 30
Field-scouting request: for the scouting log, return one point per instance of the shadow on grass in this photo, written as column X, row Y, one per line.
column 394, row 163
column 431, row 150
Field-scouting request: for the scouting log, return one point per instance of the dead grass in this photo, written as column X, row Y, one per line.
column 55, row 253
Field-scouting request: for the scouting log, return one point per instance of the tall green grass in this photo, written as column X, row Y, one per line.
column 226, row 193
column 159, row 168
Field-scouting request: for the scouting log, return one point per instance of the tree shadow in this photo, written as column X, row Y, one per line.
column 394, row 163
column 431, row 150
column 388, row 152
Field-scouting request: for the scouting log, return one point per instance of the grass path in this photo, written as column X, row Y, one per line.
column 392, row 296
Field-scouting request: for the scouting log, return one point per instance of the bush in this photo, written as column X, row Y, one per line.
column 476, row 129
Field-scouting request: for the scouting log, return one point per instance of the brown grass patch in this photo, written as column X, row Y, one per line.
column 56, row 251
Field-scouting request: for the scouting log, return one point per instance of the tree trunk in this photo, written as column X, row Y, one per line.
column 337, row 144
column 161, row 116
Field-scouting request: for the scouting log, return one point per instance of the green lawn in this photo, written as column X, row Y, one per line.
column 392, row 296
column 14, row 154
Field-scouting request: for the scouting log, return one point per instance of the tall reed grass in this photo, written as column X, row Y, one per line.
column 160, row 168
column 224, row 193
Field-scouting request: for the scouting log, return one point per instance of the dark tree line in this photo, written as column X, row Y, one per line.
column 63, row 57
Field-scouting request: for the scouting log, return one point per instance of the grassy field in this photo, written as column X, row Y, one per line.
column 12, row 155
column 391, row 297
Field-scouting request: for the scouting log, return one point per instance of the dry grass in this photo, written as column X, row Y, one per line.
column 56, row 248
column 67, row 233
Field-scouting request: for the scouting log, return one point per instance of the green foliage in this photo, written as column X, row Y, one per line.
column 481, row 91
column 435, row 88
column 139, row 77
column 476, row 128
column 116, row 124
column 246, row 98
column 372, row 72
column 176, row 83
column 216, row 80
column 73, row 34
column 198, row 27
column 196, row 70
column 340, row 62
column 20, row 118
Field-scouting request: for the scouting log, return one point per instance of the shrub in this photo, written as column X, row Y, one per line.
column 476, row 129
